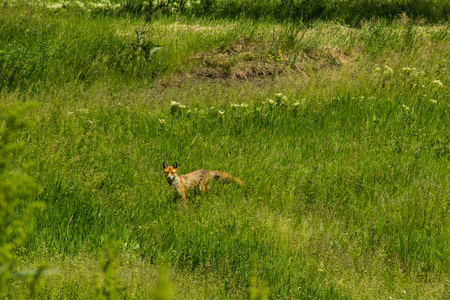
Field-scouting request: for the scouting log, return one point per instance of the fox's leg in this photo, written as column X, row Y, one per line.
column 183, row 196
column 202, row 188
column 203, row 185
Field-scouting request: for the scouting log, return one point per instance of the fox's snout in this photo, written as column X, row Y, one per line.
column 170, row 176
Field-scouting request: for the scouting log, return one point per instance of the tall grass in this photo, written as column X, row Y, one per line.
column 339, row 133
column 360, row 177
column 350, row 12
column 42, row 49
column 15, row 227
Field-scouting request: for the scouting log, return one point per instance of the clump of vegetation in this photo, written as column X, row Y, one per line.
column 16, row 221
column 109, row 285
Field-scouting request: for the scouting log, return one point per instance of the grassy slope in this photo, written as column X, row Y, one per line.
column 347, row 177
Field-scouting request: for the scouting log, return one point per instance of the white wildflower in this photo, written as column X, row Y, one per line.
column 388, row 70
column 239, row 105
column 174, row 103
column 176, row 107
column 83, row 110
column 281, row 97
column 433, row 101
column 221, row 112
column 55, row 5
column 97, row 5
column 438, row 82
column 80, row 4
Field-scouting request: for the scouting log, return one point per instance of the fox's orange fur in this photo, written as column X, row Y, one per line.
column 199, row 178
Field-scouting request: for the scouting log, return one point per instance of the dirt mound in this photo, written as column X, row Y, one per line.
column 247, row 60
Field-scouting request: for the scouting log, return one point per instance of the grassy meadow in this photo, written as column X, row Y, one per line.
column 336, row 118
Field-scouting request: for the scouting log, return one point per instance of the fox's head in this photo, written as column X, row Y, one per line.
column 170, row 172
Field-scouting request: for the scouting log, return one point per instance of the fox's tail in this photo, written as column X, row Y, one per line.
column 225, row 177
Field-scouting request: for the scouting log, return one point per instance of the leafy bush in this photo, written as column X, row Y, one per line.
column 14, row 187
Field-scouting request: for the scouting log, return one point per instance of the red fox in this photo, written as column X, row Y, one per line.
column 198, row 178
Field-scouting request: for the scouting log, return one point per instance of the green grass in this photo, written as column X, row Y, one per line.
column 339, row 132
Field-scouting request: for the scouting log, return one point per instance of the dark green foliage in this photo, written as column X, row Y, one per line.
column 350, row 12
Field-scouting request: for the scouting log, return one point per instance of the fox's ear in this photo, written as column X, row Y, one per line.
column 175, row 165
column 165, row 165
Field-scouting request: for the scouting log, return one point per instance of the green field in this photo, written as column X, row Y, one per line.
column 334, row 113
